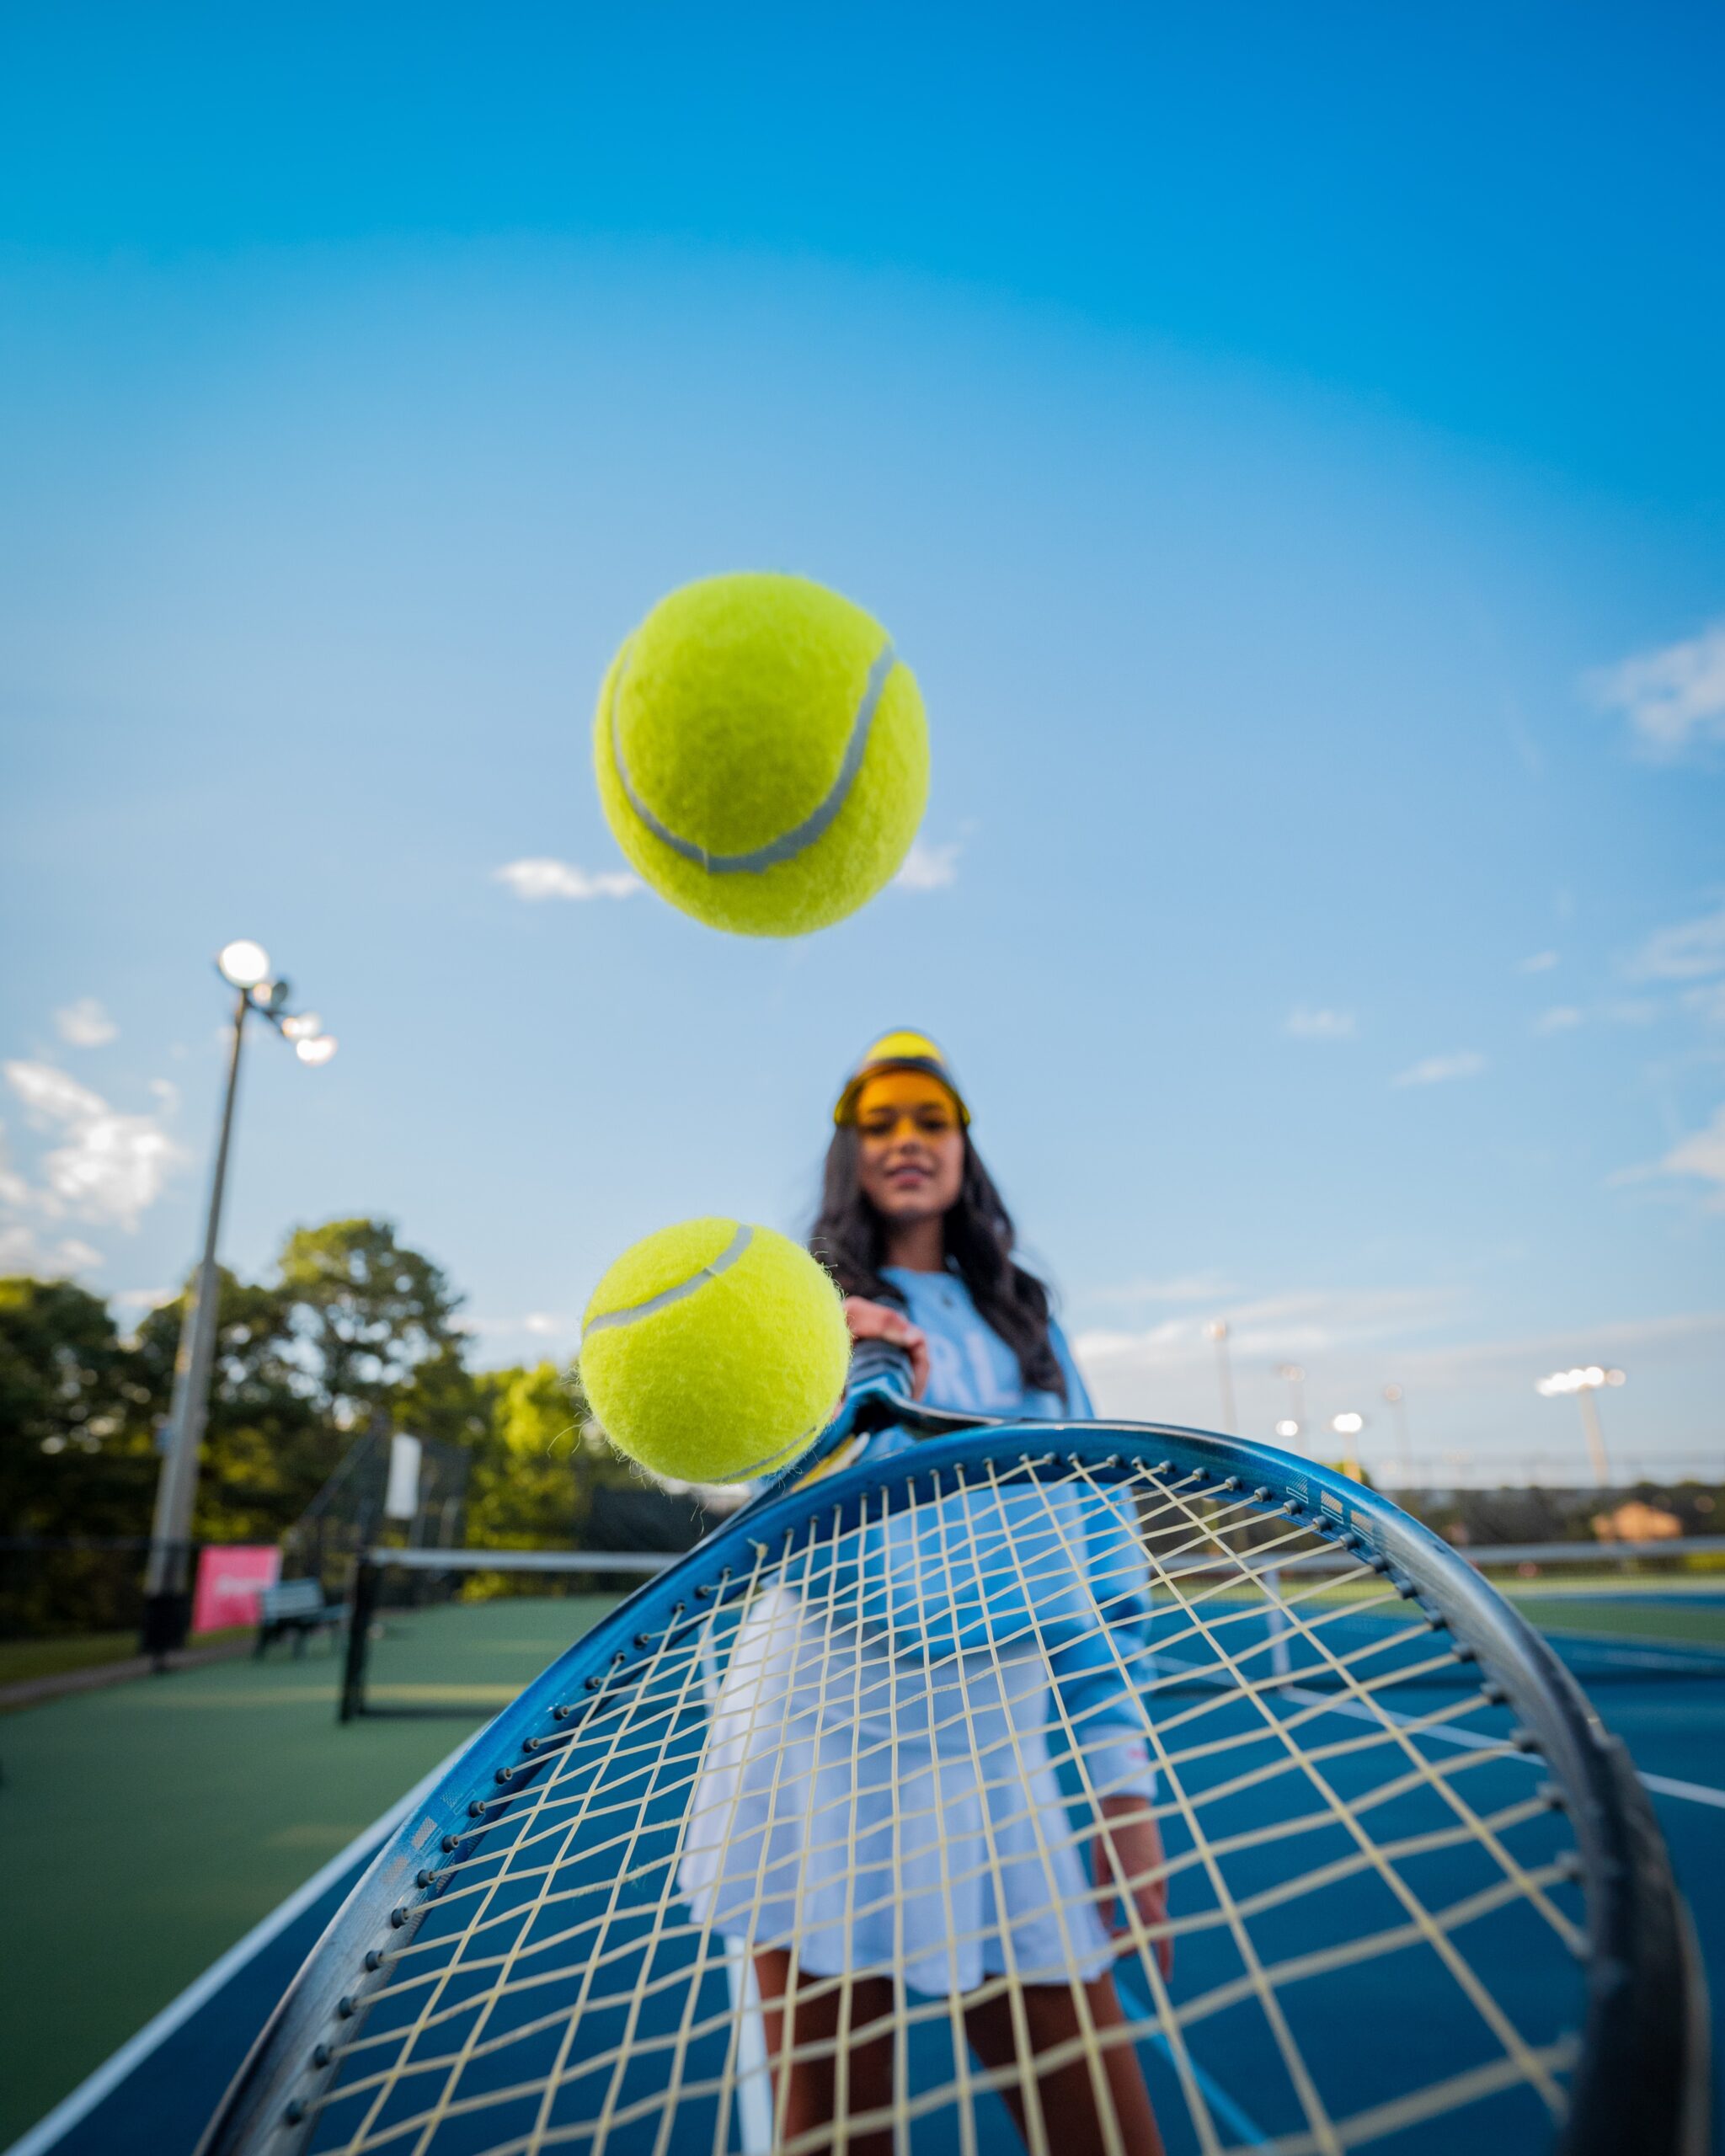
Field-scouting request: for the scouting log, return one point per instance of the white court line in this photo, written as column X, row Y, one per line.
column 107, row 2076
column 1470, row 1739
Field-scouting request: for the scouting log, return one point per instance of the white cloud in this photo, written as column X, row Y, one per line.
column 1308, row 1025
column 1558, row 1020
column 929, row 867
column 1690, row 950
column 1672, row 697
column 1707, row 1003
column 1154, row 1369
column 540, row 877
column 1702, row 1154
column 1541, row 962
column 86, row 1024
column 22, row 1250
column 143, row 1299
column 1438, row 1069
column 107, row 1167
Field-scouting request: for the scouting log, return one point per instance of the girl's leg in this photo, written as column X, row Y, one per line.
column 1068, row 2092
column 806, row 2091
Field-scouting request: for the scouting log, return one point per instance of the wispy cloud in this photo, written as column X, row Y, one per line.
column 1307, row 1024
column 542, row 877
column 1702, row 1154
column 1559, row 1019
column 1299, row 1322
column 1541, row 962
column 928, row 866
column 1438, row 1069
column 1184, row 1288
column 1673, row 698
column 108, row 1166
column 85, row 1024
column 1690, row 950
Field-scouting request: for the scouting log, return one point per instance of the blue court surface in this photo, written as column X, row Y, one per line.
column 1666, row 1699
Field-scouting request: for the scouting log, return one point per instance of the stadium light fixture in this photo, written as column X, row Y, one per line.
column 1348, row 1425
column 1287, row 1429
column 1584, row 1380
column 243, row 965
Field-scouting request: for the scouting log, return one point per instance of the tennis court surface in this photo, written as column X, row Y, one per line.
column 176, row 1846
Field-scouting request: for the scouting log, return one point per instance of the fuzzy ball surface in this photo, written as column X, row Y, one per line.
column 761, row 754
column 713, row 1350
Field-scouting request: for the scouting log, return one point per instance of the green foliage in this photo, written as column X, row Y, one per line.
column 353, row 1331
column 534, row 1478
column 366, row 1313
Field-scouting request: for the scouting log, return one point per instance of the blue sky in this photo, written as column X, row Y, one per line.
column 1285, row 446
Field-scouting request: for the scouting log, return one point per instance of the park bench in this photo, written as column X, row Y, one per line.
column 295, row 1608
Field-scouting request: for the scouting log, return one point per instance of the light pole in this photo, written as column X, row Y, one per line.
column 1397, row 1400
column 245, row 966
column 1217, row 1330
column 1585, row 1384
column 1294, row 1376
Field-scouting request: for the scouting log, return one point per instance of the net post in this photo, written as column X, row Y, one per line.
column 363, row 1602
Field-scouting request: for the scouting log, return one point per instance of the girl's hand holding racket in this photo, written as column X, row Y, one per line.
column 870, row 1320
column 1129, row 1846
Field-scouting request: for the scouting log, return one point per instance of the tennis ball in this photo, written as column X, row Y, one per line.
column 713, row 1350
column 761, row 754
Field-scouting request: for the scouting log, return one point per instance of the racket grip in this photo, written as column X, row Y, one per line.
column 882, row 1367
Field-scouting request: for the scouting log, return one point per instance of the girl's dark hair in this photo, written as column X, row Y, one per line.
column 848, row 1239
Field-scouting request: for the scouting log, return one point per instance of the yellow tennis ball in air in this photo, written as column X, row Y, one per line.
column 761, row 754
column 713, row 1350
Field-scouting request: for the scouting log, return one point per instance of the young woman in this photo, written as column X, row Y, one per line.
column 919, row 1836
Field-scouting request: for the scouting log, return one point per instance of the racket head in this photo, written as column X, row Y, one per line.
column 1639, row 2073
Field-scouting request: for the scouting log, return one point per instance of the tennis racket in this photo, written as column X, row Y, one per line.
column 1412, row 1889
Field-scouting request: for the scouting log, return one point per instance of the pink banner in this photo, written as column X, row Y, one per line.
column 228, row 1584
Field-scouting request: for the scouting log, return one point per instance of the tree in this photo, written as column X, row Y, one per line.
column 267, row 1445
column 364, row 1313
column 69, row 1391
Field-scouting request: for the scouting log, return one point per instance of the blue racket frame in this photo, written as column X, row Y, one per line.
column 1642, row 2078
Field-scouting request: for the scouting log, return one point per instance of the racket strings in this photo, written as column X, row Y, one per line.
column 557, row 1958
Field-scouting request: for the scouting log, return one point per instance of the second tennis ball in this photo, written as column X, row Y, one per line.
column 713, row 1350
column 761, row 754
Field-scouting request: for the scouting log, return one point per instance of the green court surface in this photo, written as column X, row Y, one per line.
column 149, row 1826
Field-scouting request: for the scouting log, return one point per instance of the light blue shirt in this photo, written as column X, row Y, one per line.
column 970, row 1368
column 1023, row 1548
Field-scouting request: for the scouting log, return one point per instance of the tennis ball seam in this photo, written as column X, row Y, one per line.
column 632, row 1312
column 788, row 844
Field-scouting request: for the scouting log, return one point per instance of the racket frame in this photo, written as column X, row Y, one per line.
column 1641, row 2080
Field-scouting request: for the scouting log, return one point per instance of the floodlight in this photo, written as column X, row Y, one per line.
column 245, row 963
column 1349, row 1424
column 318, row 1049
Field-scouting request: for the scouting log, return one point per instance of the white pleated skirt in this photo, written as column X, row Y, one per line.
column 868, row 1813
